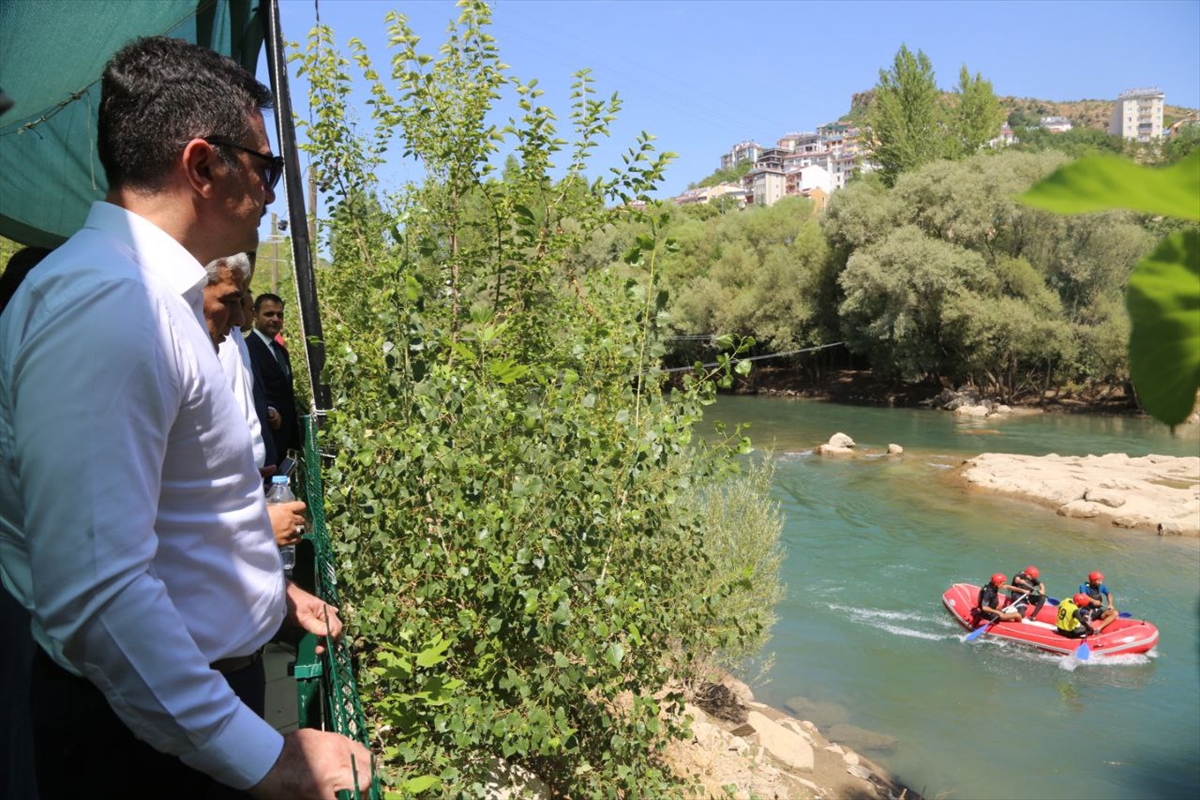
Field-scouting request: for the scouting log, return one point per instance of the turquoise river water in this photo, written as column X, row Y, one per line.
column 864, row 648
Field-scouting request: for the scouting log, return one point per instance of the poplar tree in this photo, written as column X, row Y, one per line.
column 907, row 120
column 977, row 114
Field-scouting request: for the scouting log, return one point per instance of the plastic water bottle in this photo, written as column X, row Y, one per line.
column 280, row 492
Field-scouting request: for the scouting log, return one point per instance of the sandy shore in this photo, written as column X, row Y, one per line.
column 1154, row 493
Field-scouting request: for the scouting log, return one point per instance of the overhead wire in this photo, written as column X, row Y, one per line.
column 643, row 79
column 733, row 361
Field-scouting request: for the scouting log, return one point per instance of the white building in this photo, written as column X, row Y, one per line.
column 1138, row 114
column 805, row 179
column 1056, row 124
column 706, row 194
column 742, row 151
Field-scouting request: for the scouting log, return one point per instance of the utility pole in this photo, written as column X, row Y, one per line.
column 312, row 209
column 274, row 253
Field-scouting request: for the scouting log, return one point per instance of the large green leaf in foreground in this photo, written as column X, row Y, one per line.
column 1163, row 299
column 1107, row 182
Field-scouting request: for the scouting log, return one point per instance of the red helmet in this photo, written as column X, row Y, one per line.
column 1033, row 572
column 1082, row 600
column 1096, row 577
column 999, row 578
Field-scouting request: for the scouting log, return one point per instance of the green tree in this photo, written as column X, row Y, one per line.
column 1185, row 142
column 897, row 294
column 732, row 174
column 509, row 486
column 907, row 120
column 976, row 114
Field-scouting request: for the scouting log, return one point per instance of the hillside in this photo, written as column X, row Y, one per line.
column 1082, row 113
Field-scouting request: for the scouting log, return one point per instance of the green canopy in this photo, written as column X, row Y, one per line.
column 52, row 53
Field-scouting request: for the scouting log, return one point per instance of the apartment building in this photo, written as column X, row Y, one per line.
column 764, row 186
column 1138, row 114
column 802, row 164
column 742, row 151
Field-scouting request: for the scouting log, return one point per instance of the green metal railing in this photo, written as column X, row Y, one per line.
column 326, row 692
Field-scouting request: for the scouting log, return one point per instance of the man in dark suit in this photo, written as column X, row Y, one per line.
column 270, row 362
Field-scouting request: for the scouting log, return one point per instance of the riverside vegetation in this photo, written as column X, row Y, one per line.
column 524, row 537
column 538, row 552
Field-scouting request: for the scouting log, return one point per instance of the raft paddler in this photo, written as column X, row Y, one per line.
column 1100, row 606
column 1029, row 591
column 990, row 606
column 1072, row 617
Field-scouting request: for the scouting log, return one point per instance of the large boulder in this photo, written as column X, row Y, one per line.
column 838, row 445
column 840, row 440
column 789, row 747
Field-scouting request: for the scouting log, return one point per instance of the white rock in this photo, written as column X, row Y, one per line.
column 1136, row 492
column 509, row 781
column 783, row 744
column 972, row 411
column 850, row 758
column 1105, row 497
column 840, row 440
column 1078, row 509
column 895, row 450
column 830, row 450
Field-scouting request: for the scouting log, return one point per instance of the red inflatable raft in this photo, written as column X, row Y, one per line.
column 1122, row 636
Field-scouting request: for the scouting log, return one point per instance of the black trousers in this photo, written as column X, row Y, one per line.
column 83, row 750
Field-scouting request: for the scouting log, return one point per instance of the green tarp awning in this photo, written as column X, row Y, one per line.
column 51, row 55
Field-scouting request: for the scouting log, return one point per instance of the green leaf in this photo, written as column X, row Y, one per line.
column 1106, row 182
column 1163, row 299
column 419, row 784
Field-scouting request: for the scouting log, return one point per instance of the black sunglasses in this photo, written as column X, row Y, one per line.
column 274, row 163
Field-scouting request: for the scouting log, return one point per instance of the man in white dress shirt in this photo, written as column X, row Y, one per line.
column 224, row 311
column 133, row 525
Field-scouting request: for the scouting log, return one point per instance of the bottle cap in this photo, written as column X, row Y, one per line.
column 279, row 479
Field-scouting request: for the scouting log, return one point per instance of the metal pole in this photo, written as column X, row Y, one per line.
column 306, row 285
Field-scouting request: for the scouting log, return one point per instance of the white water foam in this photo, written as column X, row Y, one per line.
column 900, row 631
column 874, row 617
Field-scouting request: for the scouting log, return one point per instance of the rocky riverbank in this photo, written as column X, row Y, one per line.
column 863, row 387
column 1153, row 493
column 743, row 749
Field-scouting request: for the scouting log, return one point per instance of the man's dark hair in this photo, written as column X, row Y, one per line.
column 267, row 297
column 158, row 93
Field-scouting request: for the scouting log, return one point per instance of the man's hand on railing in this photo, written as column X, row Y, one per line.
column 315, row 764
column 311, row 612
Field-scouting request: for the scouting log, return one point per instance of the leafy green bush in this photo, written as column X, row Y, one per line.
column 512, row 494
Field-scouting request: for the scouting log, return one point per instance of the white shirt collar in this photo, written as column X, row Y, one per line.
column 168, row 259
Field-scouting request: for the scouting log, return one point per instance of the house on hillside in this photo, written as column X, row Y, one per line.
column 764, row 186
column 1006, row 137
column 1191, row 120
column 707, row 194
column 1138, row 114
column 1055, row 124
column 806, row 179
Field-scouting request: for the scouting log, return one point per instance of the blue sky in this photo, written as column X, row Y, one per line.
column 702, row 75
